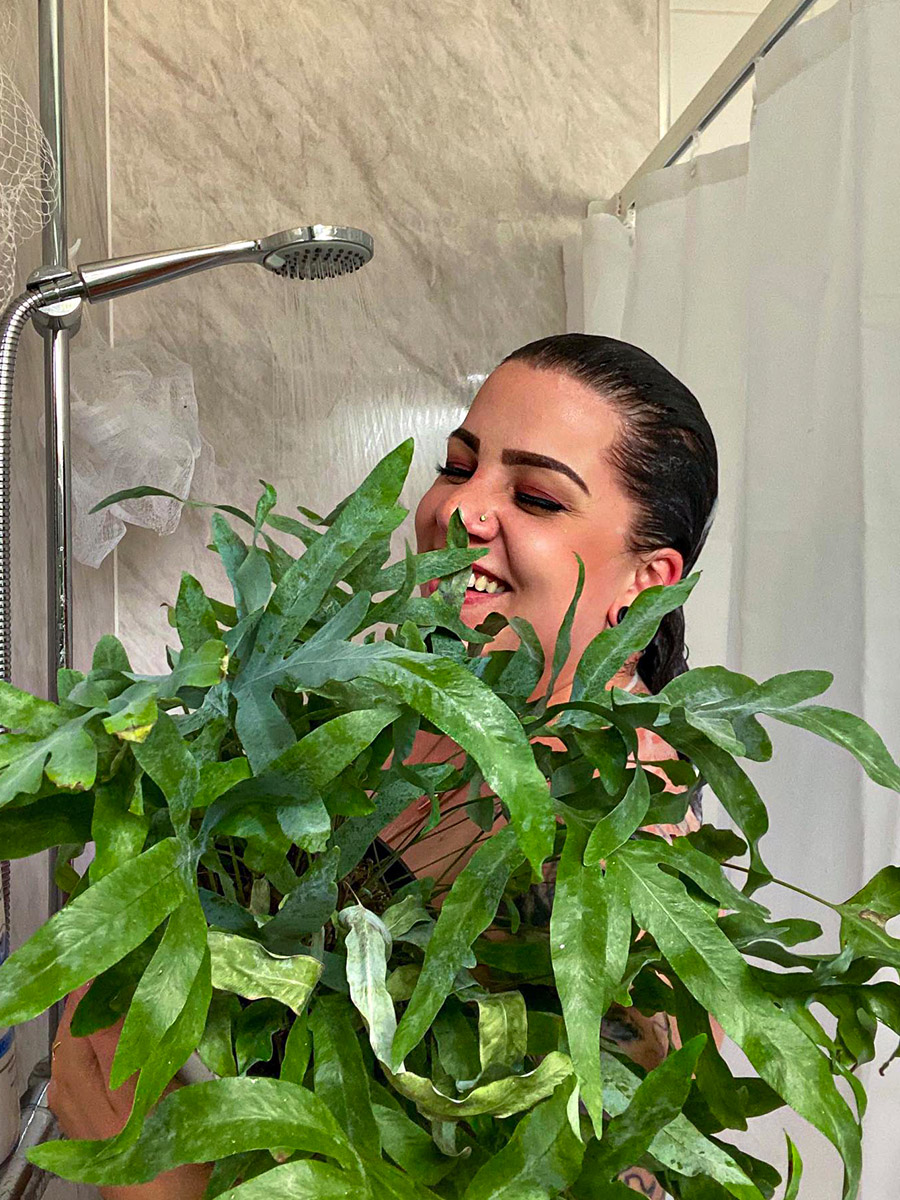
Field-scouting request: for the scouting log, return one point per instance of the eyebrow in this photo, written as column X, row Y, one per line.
column 523, row 458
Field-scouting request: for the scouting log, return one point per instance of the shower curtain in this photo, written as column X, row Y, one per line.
column 767, row 277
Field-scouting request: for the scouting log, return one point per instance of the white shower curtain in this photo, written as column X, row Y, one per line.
column 767, row 277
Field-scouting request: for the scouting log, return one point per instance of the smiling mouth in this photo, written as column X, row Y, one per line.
column 481, row 584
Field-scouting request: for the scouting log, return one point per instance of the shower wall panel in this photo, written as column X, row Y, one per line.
column 466, row 137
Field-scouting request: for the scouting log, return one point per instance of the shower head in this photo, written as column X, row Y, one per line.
column 316, row 251
column 310, row 252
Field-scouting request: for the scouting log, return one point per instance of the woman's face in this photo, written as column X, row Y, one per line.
column 531, row 458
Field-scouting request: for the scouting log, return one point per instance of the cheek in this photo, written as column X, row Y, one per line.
column 547, row 573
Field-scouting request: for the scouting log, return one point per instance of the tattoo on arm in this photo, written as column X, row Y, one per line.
column 643, row 1183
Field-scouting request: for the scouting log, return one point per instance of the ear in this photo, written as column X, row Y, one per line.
column 663, row 568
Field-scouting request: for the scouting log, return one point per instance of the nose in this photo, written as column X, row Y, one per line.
column 473, row 503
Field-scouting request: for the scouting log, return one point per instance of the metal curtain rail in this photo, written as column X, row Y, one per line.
column 768, row 28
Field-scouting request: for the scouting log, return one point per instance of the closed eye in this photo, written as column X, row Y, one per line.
column 526, row 501
column 542, row 503
column 454, row 471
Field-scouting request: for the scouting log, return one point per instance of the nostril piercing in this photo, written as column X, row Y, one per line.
column 483, row 517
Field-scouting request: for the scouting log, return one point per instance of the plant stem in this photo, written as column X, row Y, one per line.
column 790, row 886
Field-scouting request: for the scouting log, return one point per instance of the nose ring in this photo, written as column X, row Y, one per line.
column 483, row 517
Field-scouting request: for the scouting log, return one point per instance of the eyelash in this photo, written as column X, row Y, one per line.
column 546, row 506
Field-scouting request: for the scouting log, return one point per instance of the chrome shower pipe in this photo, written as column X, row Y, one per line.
column 56, row 326
column 14, row 320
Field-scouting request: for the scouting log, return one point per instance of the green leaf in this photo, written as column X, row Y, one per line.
column 20, row 711
column 244, row 967
column 452, row 589
column 734, row 788
column 460, row 705
column 163, row 990
column 468, row 909
column 501, row 1098
column 254, row 1028
column 795, row 1171
column 386, row 1181
column 110, row 656
column 53, row 821
column 216, row 1047
column 117, row 833
column 135, row 713
column 590, row 934
column 607, row 653
column 865, row 915
column 253, row 581
column 216, row 778
column 168, row 1056
column 502, row 1034
column 657, row 1101
column 194, row 618
column 607, row 753
column 165, row 756
column 716, row 974
column 409, row 1145
column 232, row 550
column 542, row 1157
column 297, row 1051
column 775, row 695
column 682, row 856
column 340, row 1075
column 368, row 947
column 353, row 838
column 617, row 827
column 109, row 995
column 853, row 733
column 564, row 638
column 302, row 1180
column 433, row 564
column 92, row 932
column 328, row 749
column 306, row 908
column 68, row 756
column 203, row 1123
column 720, row 844
column 679, row 1146
column 369, row 513
column 589, row 1187
column 457, row 1043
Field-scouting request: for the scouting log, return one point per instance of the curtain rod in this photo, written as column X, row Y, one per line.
column 771, row 25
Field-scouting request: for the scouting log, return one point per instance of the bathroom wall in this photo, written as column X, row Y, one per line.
column 466, row 137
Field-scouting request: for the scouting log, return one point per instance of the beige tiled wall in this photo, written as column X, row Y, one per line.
column 466, row 136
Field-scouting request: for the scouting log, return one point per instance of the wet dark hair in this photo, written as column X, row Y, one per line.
column 665, row 457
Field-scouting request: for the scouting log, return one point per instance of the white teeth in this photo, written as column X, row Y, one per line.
column 481, row 583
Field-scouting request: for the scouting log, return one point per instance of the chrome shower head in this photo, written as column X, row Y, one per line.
column 316, row 251
column 309, row 252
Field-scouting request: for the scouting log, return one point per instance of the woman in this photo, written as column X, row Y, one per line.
column 575, row 445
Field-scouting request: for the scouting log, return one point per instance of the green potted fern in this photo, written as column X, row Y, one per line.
column 365, row 1033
